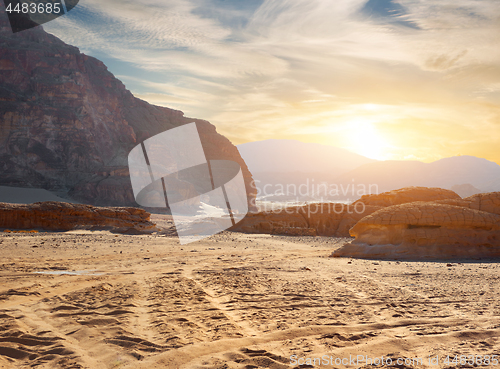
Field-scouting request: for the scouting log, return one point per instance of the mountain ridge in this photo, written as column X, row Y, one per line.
column 480, row 174
column 260, row 161
column 443, row 173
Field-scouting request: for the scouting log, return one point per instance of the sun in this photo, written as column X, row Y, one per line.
column 364, row 139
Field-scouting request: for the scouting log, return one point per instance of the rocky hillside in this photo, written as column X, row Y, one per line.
column 67, row 124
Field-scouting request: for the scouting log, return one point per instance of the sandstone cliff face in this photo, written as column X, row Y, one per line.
column 60, row 216
column 67, row 124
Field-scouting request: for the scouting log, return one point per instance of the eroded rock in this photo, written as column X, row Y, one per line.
column 335, row 219
column 407, row 195
column 61, row 216
column 489, row 202
column 267, row 221
column 327, row 219
column 425, row 230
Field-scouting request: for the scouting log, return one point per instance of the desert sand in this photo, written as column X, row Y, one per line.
column 94, row 299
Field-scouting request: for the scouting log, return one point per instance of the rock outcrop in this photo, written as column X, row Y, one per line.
column 428, row 230
column 335, row 219
column 61, row 216
column 324, row 219
column 67, row 124
column 407, row 195
column 267, row 221
column 489, row 202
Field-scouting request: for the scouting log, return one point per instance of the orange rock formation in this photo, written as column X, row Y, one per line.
column 330, row 219
column 61, row 216
column 468, row 228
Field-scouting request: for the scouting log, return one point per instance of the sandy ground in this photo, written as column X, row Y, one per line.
column 95, row 300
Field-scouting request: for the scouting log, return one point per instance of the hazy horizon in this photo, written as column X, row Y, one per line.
column 382, row 160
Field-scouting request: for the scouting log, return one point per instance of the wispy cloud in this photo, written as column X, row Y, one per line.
column 301, row 69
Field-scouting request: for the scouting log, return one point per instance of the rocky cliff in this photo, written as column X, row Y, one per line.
column 67, row 124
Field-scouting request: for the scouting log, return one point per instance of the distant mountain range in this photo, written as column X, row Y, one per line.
column 444, row 173
column 292, row 170
column 287, row 156
column 291, row 163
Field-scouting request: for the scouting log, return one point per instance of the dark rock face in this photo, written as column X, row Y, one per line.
column 67, row 124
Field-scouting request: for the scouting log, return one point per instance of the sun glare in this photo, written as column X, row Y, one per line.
column 364, row 139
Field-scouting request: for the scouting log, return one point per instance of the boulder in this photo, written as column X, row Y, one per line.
column 426, row 230
column 406, row 195
column 61, row 216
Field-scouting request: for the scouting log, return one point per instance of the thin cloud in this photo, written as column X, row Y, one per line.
column 296, row 68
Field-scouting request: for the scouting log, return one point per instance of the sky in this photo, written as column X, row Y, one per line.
column 387, row 79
